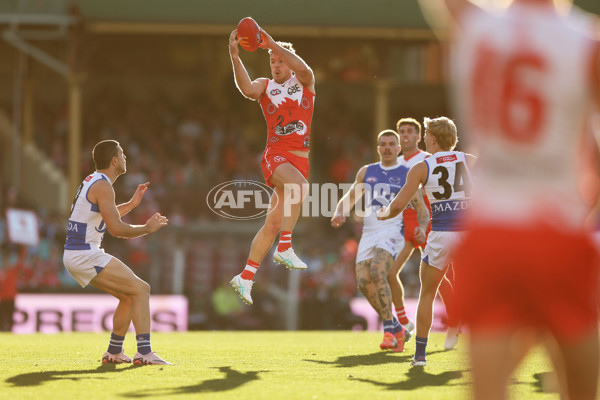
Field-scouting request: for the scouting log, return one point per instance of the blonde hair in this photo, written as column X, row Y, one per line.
column 285, row 45
column 444, row 131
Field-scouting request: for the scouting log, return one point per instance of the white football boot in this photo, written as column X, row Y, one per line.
column 243, row 287
column 289, row 259
column 149, row 359
column 451, row 337
column 109, row 358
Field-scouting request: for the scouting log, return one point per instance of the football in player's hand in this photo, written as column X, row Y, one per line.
column 248, row 32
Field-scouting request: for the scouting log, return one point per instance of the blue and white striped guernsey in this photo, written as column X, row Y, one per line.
column 86, row 226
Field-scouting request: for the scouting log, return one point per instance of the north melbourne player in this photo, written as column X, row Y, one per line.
column 93, row 212
column 446, row 178
column 381, row 241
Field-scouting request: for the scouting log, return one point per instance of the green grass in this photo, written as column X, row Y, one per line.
column 245, row 365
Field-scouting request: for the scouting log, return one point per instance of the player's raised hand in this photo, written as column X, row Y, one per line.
column 234, row 50
column 267, row 41
column 156, row 222
column 338, row 220
column 420, row 234
column 383, row 213
column 137, row 197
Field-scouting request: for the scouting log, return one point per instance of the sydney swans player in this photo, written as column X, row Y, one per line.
column 287, row 102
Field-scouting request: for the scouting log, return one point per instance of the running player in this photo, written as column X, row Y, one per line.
column 409, row 130
column 380, row 241
column 93, row 212
column 446, row 177
column 526, row 79
column 287, row 102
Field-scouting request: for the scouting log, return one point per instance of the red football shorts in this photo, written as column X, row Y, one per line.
column 273, row 158
column 517, row 277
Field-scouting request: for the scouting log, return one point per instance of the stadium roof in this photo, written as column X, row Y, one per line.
column 379, row 18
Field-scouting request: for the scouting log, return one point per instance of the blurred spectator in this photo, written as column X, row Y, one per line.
column 9, row 280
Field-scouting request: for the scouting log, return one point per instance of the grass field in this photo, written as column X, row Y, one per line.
column 245, row 365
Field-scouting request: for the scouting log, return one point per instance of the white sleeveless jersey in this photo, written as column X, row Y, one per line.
column 413, row 160
column 448, row 187
column 522, row 91
column 86, row 227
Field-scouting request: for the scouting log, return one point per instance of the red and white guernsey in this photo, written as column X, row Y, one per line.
column 288, row 109
column 410, row 214
column 523, row 90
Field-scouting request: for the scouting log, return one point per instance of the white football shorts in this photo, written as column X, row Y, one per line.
column 84, row 265
column 440, row 248
column 388, row 239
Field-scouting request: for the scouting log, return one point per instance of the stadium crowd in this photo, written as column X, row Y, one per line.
column 184, row 149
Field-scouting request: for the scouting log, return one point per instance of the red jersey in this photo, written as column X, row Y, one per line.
column 288, row 109
column 410, row 214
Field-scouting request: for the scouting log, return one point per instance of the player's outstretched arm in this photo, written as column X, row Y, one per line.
column 416, row 176
column 103, row 194
column 250, row 89
column 303, row 72
column 135, row 200
column 349, row 199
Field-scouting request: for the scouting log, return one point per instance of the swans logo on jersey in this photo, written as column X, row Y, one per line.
column 371, row 179
column 279, row 159
column 275, row 92
column 241, row 200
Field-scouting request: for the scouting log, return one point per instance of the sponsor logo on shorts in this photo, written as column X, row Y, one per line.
column 273, row 139
column 279, row 159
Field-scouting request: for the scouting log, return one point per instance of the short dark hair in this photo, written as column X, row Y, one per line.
column 409, row 121
column 104, row 152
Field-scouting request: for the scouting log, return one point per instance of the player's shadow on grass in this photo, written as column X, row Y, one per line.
column 377, row 358
column 38, row 378
column 418, row 378
column 232, row 380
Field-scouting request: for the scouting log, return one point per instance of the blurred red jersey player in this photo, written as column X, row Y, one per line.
column 287, row 102
column 526, row 79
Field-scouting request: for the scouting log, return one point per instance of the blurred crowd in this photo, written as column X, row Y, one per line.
column 184, row 147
